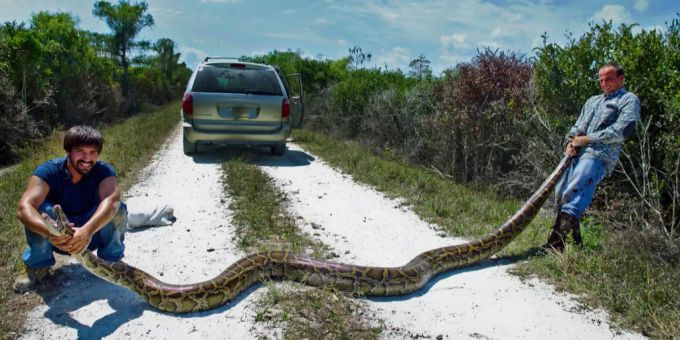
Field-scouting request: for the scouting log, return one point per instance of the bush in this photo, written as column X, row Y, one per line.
column 648, row 176
column 477, row 107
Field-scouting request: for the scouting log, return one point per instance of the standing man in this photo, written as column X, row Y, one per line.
column 87, row 191
column 606, row 121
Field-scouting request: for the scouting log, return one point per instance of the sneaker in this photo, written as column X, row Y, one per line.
column 27, row 281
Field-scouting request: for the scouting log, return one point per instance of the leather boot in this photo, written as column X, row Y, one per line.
column 576, row 233
column 563, row 225
column 29, row 280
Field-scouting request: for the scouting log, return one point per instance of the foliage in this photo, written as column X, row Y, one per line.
column 566, row 76
column 420, row 68
column 477, row 109
column 357, row 57
column 53, row 74
column 316, row 74
column 126, row 20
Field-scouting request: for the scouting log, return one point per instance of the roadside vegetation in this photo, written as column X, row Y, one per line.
column 262, row 222
column 636, row 284
column 497, row 124
column 128, row 147
column 464, row 148
column 54, row 74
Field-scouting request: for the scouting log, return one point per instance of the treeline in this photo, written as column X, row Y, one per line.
column 54, row 74
column 501, row 119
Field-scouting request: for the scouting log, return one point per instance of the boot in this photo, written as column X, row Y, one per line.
column 576, row 233
column 564, row 223
column 29, row 280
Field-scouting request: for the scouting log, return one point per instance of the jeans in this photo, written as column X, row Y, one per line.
column 577, row 186
column 108, row 240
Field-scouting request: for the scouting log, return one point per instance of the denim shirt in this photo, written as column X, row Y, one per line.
column 607, row 121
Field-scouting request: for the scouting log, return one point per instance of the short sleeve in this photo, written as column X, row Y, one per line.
column 48, row 172
column 104, row 170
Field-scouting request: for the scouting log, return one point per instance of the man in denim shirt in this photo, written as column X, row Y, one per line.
column 87, row 191
column 596, row 138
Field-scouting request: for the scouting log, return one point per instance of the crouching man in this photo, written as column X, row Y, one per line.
column 87, row 191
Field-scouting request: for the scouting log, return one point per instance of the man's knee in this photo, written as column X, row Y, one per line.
column 47, row 208
column 120, row 219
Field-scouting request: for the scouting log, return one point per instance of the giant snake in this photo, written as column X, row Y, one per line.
column 360, row 280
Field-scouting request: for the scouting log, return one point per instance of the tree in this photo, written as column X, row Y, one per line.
column 23, row 52
column 126, row 20
column 420, row 68
column 167, row 58
column 358, row 57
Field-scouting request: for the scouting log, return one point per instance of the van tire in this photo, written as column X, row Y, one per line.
column 189, row 148
column 278, row 149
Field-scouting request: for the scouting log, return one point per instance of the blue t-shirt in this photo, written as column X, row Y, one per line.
column 74, row 198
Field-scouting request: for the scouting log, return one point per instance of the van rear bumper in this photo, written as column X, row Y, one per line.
column 276, row 137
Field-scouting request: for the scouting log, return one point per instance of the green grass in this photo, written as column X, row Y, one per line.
column 263, row 223
column 456, row 209
column 633, row 274
column 259, row 214
column 128, row 147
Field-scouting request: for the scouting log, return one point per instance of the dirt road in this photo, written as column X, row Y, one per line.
column 360, row 224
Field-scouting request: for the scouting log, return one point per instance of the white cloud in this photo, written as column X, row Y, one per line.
column 222, row 1
column 659, row 28
column 449, row 60
column 289, row 11
column 321, row 21
column 192, row 56
column 641, row 5
column 341, row 41
column 489, row 44
column 450, row 40
column 503, row 32
column 396, row 57
column 616, row 13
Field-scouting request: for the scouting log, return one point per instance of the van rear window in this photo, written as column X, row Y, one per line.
column 237, row 80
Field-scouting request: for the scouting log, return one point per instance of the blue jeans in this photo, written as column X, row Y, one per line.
column 108, row 240
column 576, row 188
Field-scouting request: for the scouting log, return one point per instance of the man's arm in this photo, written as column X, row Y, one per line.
column 109, row 193
column 27, row 211
column 579, row 126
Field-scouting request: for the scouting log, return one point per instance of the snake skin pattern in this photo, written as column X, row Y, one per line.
column 359, row 280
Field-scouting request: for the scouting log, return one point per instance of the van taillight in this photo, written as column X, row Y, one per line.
column 285, row 108
column 188, row 104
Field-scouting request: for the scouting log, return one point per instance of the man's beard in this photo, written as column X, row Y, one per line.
column 82, row 172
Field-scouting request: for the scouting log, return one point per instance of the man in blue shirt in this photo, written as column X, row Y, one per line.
column 87, row 191
column 595, row 141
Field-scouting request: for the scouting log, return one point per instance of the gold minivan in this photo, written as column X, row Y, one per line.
column 232, row 102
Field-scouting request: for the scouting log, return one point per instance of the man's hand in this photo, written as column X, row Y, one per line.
column 80, row 240
column 60, row 242
column 575, row 143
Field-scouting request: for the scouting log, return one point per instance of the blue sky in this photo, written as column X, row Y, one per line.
column 394, row 32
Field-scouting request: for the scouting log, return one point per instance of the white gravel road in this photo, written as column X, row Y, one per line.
column 360, row 224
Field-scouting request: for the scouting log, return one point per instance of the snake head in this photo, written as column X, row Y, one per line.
column 60, row 226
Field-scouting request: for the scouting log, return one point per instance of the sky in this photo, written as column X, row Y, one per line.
column 394, row 32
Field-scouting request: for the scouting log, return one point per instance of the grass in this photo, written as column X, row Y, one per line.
column 632, row 274
column 262, row 223
column 128, row 147
column 456, row 209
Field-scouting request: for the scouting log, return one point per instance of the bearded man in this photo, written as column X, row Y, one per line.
column 87, row 191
